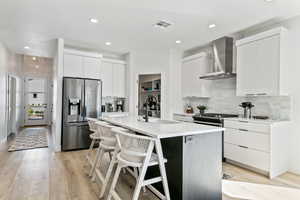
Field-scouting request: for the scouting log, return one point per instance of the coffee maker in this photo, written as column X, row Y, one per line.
column 247, row 106
column 120, row 105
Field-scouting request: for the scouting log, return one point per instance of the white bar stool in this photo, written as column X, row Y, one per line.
column 135, row 151
column 107, row 143
column 94, row 136
column 112, row 163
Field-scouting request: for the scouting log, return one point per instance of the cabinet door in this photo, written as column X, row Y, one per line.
column 119, row 80
column 73, row 66
column 91, row 67
column 191, row 71
column 258, row 67
column 107, row 79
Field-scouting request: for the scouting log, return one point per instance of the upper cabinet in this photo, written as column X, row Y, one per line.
column 259, row 64
column 119, row 79
column 81, row 64
column 91, row 67
column 113, row 78
column 107, row 78
column 73, row 66
column 192, row 68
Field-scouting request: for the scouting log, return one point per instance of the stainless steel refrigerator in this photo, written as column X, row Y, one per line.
column 81, row 99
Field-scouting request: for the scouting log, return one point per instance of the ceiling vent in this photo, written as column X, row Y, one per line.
column 162, row 24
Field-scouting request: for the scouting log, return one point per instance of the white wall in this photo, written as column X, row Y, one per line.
column 291, row 72
column 293, row 85
column 174, row 95
column 154, row 63
column 57, row 94
column 9, row 64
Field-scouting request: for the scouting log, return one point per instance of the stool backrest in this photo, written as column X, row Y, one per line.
column 107, row 137
column 134, row 148
column 92, row 125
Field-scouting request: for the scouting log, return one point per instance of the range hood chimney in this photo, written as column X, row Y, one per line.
column 222, row 51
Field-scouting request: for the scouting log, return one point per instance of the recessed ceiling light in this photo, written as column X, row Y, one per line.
column 107, row 43
column 26, row 47
column 268, row 0
column 37, row 66
column 94, row 20
column 178, row 41
column 212, row 26
column 34, row 58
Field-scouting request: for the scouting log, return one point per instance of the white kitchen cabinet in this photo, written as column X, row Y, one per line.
column 73, row 66
column 119, row 80
column 258, row 145
column 91, row 67
column 192, row 68
column 81, row 64
column 260, row 59
column 113, row 78
column 107, row 79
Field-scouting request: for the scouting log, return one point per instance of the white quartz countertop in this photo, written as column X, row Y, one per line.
column 260, row 121
column 114, row 114
column 185, row 114
column 162, row 128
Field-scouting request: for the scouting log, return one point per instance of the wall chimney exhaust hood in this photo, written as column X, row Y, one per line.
column 222, row 51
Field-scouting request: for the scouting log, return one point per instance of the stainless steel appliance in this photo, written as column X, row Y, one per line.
column 120, row 105
column 213, row 119
column 222, row 53
column 247, row 107
column 81, row 99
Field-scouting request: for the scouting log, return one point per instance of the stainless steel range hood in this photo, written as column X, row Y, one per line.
column 222, row 51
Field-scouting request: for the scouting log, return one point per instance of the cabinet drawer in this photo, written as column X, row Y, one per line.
column 249, row 139
column 256, row 127
column 247, row 156
column 182, row 118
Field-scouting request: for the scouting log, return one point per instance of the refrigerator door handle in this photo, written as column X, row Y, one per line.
column 82, row 102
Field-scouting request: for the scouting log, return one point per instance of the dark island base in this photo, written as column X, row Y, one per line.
column 194, row 167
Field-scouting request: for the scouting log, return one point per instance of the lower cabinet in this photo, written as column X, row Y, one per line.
column 247, row 156
column 261, row 146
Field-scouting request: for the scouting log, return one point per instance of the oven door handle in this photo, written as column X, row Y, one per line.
column 208, row 123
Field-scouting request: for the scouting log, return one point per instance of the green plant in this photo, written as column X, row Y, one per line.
column 202, row 107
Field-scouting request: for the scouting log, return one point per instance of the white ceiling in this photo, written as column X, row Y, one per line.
column 128, row 24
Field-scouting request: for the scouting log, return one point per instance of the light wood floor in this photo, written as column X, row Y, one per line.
column 41, row 174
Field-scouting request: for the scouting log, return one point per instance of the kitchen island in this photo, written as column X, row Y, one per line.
column 194, row 154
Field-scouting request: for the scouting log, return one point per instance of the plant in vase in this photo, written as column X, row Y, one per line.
column 202, row 109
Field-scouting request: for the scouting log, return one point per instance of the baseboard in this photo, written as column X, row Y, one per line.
column 3, row 141
column 57, row 148
column 296, row 172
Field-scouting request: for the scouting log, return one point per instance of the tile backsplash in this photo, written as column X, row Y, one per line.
column 224, row 100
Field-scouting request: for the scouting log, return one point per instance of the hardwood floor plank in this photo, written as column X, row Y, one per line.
column 41, row 174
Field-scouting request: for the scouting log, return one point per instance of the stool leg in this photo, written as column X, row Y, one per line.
column 142, row 173
column 90, row 149
column 108, row 175
column 97, row 165
column 137, row 175
column 114, row 182
column 98, row 155
column 162, row 168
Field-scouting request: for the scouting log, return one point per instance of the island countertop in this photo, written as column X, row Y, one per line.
column 162, row 128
